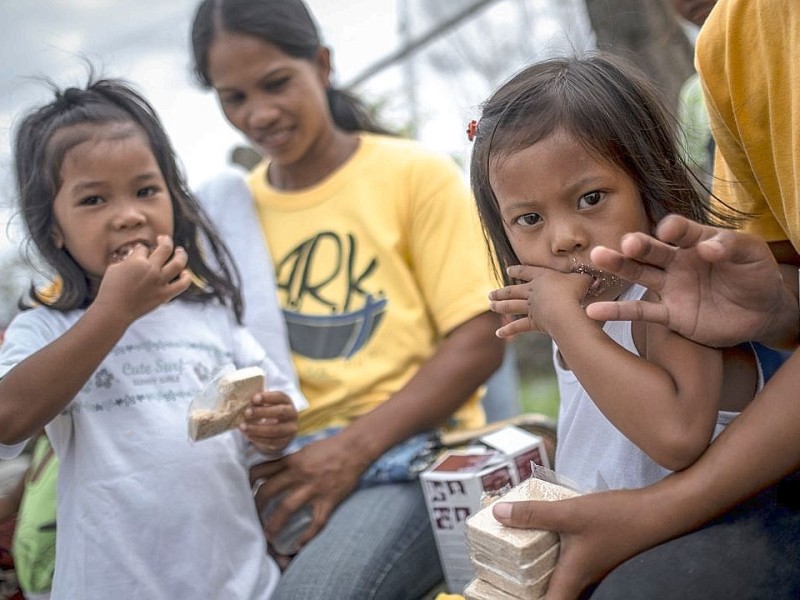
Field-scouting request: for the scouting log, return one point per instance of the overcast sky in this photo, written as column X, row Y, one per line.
column 147, row 42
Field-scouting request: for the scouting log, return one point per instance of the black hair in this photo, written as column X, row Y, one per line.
column 610, row 108
column 41, row 142
column 287, row 24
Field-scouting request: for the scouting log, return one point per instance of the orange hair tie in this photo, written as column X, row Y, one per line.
column 472, row 130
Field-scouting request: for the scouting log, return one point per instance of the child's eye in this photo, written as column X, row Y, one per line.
column 91, row 201
column 528, row 219
column 590, row 199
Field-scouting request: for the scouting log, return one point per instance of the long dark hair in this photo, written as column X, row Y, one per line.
column 287, row 24
column 39, row 154
column 609, row 107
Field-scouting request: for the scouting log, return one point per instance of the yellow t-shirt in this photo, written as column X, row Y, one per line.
column 374, row 265
column 747, row 57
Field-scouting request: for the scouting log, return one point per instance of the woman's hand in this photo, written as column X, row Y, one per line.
column 716, row 287
column 270, row 422
column 546, row 297
column 598, row 532
column 321, row 474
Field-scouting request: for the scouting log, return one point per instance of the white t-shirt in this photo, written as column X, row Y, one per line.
column 592, row 454
column 143, row 512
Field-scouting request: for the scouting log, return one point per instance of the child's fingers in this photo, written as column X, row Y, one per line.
column 524, row 272
column 163, row 250
column 176, row 264
column 515, row 328
column 271, row 398
column 270, row 415
column 509, row 307
column 510, row 292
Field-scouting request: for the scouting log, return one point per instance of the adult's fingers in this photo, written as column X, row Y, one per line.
column 632, row 268
column 682, row 232
column 713, row 244
column 736, row 247
column 565, row 584
column 567, row 581
column 267, row 469
column 532, row 514
column 629, row 310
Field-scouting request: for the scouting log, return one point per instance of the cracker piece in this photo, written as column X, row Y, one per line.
column 235, row 391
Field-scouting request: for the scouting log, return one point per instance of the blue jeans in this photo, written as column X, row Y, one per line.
column 378, row 544
column 750, row 553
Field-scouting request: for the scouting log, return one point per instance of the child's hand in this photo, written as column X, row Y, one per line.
column 144, row 280
column 270, row 422
column 546, row 297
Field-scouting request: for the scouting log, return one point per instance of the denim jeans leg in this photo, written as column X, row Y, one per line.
column 378, row 544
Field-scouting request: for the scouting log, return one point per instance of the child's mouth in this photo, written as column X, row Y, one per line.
column 601, row 281
column 125, row 251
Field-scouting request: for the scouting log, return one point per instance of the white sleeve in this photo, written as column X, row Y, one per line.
column 229, row 205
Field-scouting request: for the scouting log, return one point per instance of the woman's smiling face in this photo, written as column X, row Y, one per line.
column 277, row 101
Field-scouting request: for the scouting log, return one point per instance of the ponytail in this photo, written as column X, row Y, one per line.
column 350, row 114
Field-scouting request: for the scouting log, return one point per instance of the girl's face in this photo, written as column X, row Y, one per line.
column 557, row 202
column 113, row 196
column 278, row 102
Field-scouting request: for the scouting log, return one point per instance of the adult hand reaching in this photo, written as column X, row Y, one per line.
column 598, row 532
column 717, row 287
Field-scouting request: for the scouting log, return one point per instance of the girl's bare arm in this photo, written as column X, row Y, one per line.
column 39, row 387
column 665, row 401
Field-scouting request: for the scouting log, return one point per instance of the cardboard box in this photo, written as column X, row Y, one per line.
column 521, row 447
column 454, row 486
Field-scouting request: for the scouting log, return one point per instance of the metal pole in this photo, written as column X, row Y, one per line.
column 416, row 44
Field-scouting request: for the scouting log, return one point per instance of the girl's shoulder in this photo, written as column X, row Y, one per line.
column 44, row 317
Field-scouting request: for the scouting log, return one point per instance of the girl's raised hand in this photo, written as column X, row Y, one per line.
column 270, row 422
column 144, row 280
column 546, row 296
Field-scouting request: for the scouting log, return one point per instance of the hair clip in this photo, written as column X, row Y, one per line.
column 472, row 130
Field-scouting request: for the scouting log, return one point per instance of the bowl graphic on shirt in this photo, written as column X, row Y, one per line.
column 340, row 335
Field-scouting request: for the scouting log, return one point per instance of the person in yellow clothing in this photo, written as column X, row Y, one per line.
column 382, row 274
column 729, row 525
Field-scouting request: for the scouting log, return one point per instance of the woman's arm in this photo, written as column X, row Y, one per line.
column 325, row 472
column 599, row 531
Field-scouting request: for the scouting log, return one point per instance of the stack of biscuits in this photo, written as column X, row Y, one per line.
column 513, row 564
